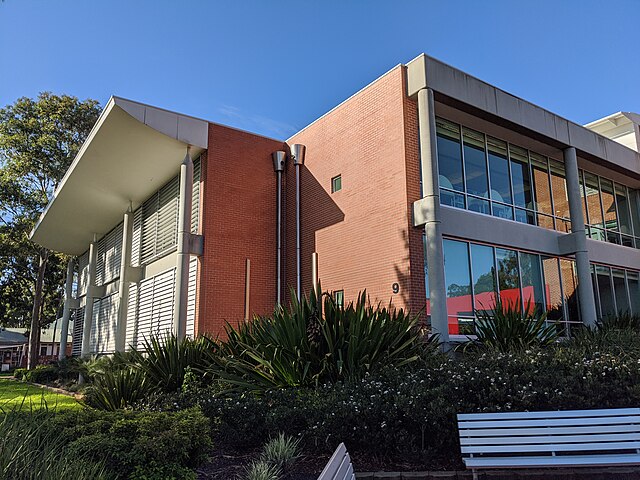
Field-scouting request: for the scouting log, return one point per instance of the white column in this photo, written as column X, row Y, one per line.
column 88, row 309
column 123, row 284
column 184, row 238
column 432, row 227
column 66, row 313
column 586, row 299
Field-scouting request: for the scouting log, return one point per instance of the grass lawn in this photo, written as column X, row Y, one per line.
column 19, row 395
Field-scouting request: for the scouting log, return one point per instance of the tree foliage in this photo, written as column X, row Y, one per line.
column 39, row 139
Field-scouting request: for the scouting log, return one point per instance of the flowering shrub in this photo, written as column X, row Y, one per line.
column 413, row 409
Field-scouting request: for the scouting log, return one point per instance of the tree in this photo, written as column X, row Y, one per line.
column 39, row 139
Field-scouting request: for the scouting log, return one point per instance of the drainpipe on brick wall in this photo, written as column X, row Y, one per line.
column 432, row 227
column 89, row 297
column 587, row 303
column 123, row 284
column 66, row 313
column 184, row 256
column 297, row 154
column 278, row 165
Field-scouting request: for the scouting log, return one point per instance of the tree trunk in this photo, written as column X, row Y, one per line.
column 34, row 336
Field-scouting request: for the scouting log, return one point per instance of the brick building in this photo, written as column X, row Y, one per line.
column 430, row 188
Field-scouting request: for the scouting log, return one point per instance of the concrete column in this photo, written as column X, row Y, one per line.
column 433, row 230
column 586, row 299
column 88, row 309
column 184, row 238
column 66, row 313
column 123, row 284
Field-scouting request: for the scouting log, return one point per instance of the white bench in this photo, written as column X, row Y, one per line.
column 572, row 438
column 339, row 466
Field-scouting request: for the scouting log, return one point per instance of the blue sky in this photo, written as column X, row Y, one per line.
column 274, row 66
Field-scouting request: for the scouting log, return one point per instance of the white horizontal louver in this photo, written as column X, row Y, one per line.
column 83, row 274
column 103, row 328
column 154, row 307
column 191, row 297
column 109, row 256
column 195, row 208
column 136, row 237
column 78, row 322
column 160, row 221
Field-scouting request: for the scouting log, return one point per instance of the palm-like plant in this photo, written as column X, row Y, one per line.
column 507, row 327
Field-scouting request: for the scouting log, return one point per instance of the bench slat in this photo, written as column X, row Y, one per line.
column 562, row 461
column 331, row 468
column 508, row 432
column 611, row 412
column 548, row 422
column 342, row 472
column 595, row 438
column 552, row 447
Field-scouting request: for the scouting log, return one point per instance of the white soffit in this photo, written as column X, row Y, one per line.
column 132, row 151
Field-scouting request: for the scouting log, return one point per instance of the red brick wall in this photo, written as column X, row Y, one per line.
column 362, row 234
column 238, row 222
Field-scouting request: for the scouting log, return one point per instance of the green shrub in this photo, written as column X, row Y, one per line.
column 281, row 451
column 623, row 320
column 261, row 470
column 116, row 389
column 315, row 340
column 19, row 373
column 507, row 327
column 29, row 450
column 137, row 445
column 41, row 374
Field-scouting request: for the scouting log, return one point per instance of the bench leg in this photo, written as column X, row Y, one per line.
column 475, row 474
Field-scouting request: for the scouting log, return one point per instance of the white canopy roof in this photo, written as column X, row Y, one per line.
column 132, row 150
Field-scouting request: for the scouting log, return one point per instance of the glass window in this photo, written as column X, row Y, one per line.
column 532, row 286
column 634, row 205
column 620, row 289
column 475, row 163
column 521, row 178
column 569, row 289
column 559, row 191
column 427, row 306
column 484, row 277
column 449, row 155
column 553, row 289
column 336, row 184
column 624, row 211
column 592, row 196
column 609, row 204
column 607, row 302
column 634, row 291
column 583, row 196
column 339, row 297
column 499, row 171
column 541, row 188
column 508, row 276
column 479, row 205
column 458, row 283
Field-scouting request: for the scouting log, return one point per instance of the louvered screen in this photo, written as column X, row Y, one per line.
column 191, row 297
column 83, row 274
column 168, row 216
column 136, row 236
column 195, row 208
column 154, row 307
column 103, row 328
column 78, row 322
column 109, row 256
column 149, row 228
column 132, row 313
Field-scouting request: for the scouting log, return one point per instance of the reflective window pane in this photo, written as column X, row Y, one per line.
column 453, row 199
column 634, row 291
column 541, row 183
column 525, row 216
column 521, row 178
column 508, row 276
column 624, row 211
column 545, row 221
column 458, row 283
column 592, row 196
column 553, row 289
column 478, row 205
column 502, row 211
column 484, row 276
column 569, row 289
column 499, row 171
column 532, row 286
column 449, row 155
column 607, row 305
column 559, row 189
column 609, row 204
column 620, row 289
column 475, row 163
column 634, row 206
column 583, row 196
